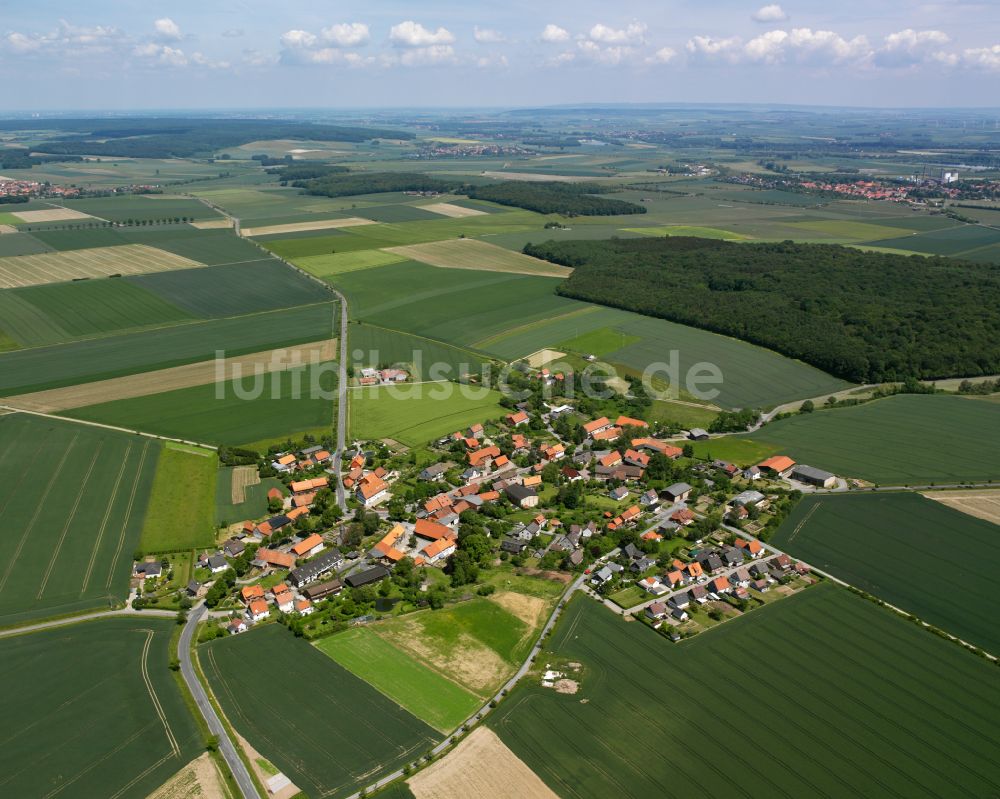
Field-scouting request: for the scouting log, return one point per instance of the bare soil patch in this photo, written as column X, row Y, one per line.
column 480, row 767
column 453, row 211
column 212, row 224
column 243, row 477
column 192, row 374
column 199, row 778
column 254, row 756
column 50, row 215
column 542, row 357
column 300, row 227
column 566, row 686
column 529, row 609
column 468, row 662
column 982, row 503
column 476, row 254
column 58, row 267
column 7, row 229
column 556, row 577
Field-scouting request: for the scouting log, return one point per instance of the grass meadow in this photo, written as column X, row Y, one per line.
column 181, row 513
column 62, row 685
column 327, row 729
column 425, row 693
column 370, row 345
column 887, row 441
column 74, row 498
column 380, row 412
column 844, row 697
column 899, row 547
column 201, row 414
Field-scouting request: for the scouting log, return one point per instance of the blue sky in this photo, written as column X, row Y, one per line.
column 56, row 54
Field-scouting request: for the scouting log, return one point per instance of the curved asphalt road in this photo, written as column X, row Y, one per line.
column 226, row 747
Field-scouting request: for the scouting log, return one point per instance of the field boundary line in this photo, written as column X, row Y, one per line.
column 144, row 669
column 69, row 520
column 117, row 429
column 802, row 522
column 37, row 513
column 104, row 522
column 128, row 515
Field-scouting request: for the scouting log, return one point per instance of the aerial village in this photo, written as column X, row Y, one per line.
column 614, row 502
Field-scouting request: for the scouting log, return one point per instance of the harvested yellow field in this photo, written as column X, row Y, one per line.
column 452, row 211
column 58, row 267
column 982, row 503
column 243, row 477
column 199, row 779
column 475, row 254
column 212, row 224
column 187, row 376
column 7, row 229
column 302, row 227
column 538, row 359
column 50, row 215
column 481, row 766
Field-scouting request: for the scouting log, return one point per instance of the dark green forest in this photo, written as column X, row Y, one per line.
column 353, row 183
column 865, row 317
column 568, row 199
column 186, row 138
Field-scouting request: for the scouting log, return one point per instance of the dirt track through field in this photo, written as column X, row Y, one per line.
column 302, row 227
column 59, row 267
column 983, row 504
column 481, row 766
column 176, row 377
column 475, row 254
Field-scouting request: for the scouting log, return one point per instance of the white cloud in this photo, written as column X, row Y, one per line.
column 427, row 56
column 303, row 47
column 561, row 59
column 982, row 57
column 167, row 30
column 233, row 33
column 611, row 55
column 909, row 47
column 553, row 33
column 710, row 48
column 662, row 56
column 800, row 45
column 257, row 58
column 487, row 35
column 67, row 40
column 633, row 34
column 770, row 13
column 162, row 54
column 346, row 34
column 492, row 61
column 203, row 61
column 413, row 34
column 298, row 40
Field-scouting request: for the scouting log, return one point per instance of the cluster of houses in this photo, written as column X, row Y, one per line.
column 719, row 574
column 370, row 487
column 382, row 377
column 309, row 458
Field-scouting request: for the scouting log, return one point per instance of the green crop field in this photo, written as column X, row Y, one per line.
column 266, row 406
column 688, row 230
column 20, row 244
column 181, row 513
column 93, row 710
column 211, row 247
column 59, row 312
column 422, row 691
column 954, row 241
column 457, row 306
column 821, row 694
column 328, row 730
column 414, row 415
column 424, row 359
column 886, row 543
column 886, row 441
column 88, row 238
column 113, row 356
column 139, row 207
column 73, row 499
column 741, row 451
column 598, row 342
column 235, row 289
column 339, row 263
